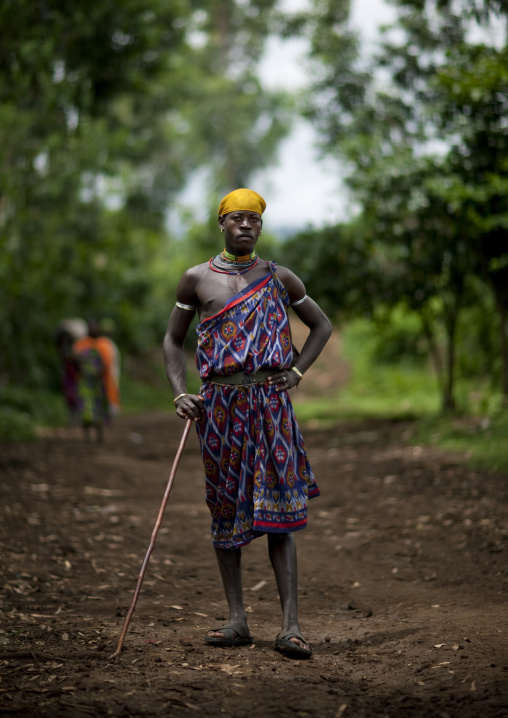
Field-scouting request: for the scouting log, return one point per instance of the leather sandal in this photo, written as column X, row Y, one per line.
column 290, row 649
column 229, row 639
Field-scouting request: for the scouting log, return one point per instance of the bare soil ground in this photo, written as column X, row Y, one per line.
column 403, row 580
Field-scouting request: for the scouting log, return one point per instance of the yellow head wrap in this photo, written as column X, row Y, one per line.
column 242, row 199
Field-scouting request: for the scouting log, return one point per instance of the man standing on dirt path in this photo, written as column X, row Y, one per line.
column 258, row 478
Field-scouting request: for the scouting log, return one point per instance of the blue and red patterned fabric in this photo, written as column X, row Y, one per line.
column 258, row 478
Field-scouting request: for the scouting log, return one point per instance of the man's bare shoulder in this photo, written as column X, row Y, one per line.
column 284, row 272
column 286, row 276
column 294, row 285
column 195, row 273
column 187, row 286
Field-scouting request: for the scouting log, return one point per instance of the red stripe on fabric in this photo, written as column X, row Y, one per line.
column 255, row 288
column 280, row 524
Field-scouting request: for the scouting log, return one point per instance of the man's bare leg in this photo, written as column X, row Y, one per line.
column 282, row 550
column 230, row 561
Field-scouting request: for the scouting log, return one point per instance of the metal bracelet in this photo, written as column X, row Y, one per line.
column 179, row 397
column 297, row 372
column 299, row 301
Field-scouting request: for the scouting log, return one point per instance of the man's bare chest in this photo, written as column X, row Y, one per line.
column 216, row 289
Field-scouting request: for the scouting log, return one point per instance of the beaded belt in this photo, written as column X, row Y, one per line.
column 239, row 377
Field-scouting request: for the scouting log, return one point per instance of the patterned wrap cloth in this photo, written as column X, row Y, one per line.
column 258, row 478
column 108, row 353
column 92, row 404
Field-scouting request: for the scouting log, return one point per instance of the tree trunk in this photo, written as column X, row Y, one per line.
column 504, row 347
column 451, row 316
column 448, row 403
column 434, row 353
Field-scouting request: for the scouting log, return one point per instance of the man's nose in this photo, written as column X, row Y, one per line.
column 246, row 222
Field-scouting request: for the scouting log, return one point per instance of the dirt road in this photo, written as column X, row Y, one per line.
column 403, row 580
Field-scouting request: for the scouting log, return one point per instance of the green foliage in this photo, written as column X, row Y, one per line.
column 229, row 122
column 146, row 388
column 108, row 108
column 66, row 77
column 402, row 389
column 427, row 159
column 390, row 374
column 22, row 410
column 398, row 385
column 478, row 355
column 15, row 425
column 237, row 131
column 398, row 388
column 400, row 341
column 340, row 84
column 474, row 90
column 482, row 439
column 338, row 265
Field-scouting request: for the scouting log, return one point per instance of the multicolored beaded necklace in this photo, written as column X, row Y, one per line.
column 239, row 265
column 228, row 261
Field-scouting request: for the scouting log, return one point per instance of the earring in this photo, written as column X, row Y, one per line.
column 222, row 229
column 260, row 234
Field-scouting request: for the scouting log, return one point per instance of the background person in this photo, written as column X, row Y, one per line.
column 67, row 333
column 94, row 358
column 108, row 346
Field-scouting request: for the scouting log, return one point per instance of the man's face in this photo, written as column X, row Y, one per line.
column 241, row 231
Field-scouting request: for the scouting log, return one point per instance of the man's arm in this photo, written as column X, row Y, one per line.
column 320, row 329
column 313, row 317
column 188, row 406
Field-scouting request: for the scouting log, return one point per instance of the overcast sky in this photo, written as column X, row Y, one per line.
column 303, row 189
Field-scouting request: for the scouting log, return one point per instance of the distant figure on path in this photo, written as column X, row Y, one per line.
column 258, row 478
column 93, row 407
column 67, row 333
column 111, row 354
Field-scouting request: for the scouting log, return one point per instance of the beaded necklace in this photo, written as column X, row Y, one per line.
column 232, row 258
column 227, row 260
column 240, row 265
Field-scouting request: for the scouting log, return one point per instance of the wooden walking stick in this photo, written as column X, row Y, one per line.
column 155, row 531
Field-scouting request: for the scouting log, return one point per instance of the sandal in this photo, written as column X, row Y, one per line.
column 229, row 639
column 289, row 648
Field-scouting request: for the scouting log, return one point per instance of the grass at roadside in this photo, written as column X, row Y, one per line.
column 23, row 409
column 408, row 390
column 484, row 439
column 153, row 390
column 403, row 389
column 140, row 396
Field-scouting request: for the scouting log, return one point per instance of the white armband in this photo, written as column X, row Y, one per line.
column 299, row 301
column 189, row 307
